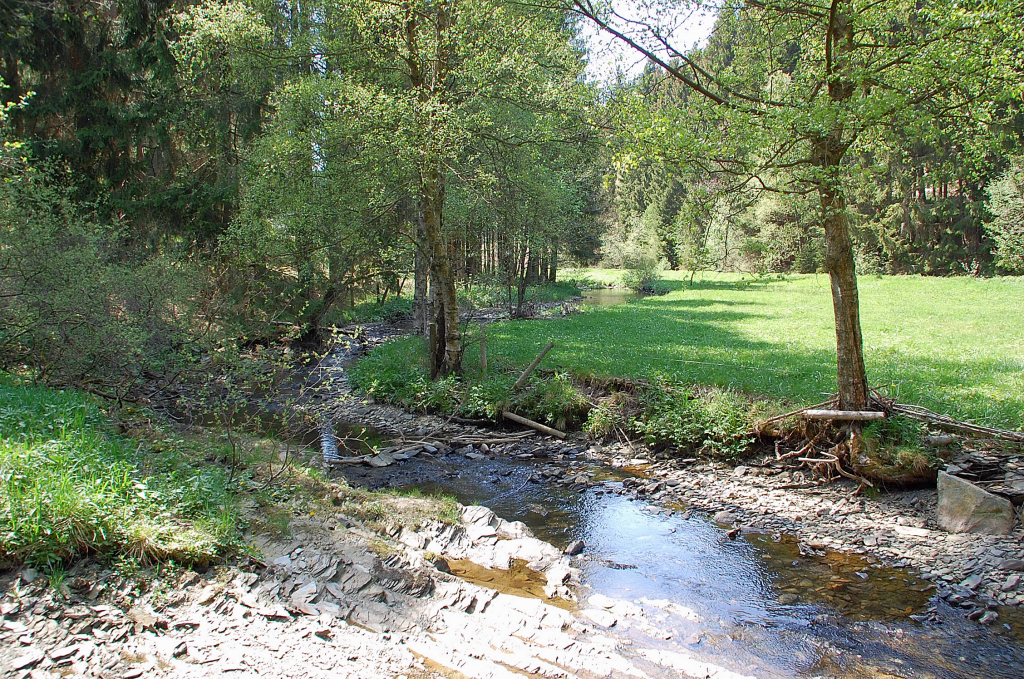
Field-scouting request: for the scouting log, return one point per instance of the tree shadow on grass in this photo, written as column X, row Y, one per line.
column 688, row 340
column 748, row 284
column 692, row 303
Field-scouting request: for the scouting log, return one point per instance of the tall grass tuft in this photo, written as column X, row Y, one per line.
column 70, row 486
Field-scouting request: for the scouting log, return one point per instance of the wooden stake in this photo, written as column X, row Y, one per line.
column 544, row 429
column 526, row 373
column 483, row 350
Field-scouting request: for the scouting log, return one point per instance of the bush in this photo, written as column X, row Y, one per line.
column 73, row 303
column 716, row 423
column 643, row 276
column 394, row 309
column 552, row 400
column 70, row 486
column 1006, row 202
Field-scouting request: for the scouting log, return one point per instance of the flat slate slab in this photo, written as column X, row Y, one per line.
column 966, row 508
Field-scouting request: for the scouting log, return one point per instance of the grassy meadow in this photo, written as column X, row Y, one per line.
column 955, row 345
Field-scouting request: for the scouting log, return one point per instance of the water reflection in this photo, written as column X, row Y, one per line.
column 609, row 296
column 763, row 609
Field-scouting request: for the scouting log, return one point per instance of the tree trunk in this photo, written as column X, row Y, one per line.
column 839, row 261
column 420, row 304
column 446, row 344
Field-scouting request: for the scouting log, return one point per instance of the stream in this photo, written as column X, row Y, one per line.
column 761, row 608
column 764, row 609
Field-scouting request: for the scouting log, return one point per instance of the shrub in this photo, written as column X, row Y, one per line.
column 74, row 304
column 1006, row 201
column 643, row 275
column 716, row 423
column 552, row 400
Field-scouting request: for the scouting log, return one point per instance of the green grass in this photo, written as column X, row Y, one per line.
column 955, row 345
column 489, row 295
column 70, row 486
column 478, row 297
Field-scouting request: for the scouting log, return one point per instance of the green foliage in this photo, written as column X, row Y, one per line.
column 70, row 486
column 488, row 397
column 392, row 310
column 897, row 432
column 552, row 400
column 643, row 275
column 397, row 373
column 390, row 376
column 712, row 422
column 490, row 294
column 1007, row 226
column 73, row 304
column 895, row 449
column 605, row 419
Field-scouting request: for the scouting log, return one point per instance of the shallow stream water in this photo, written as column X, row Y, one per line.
column 608, row 296
column 764, row 609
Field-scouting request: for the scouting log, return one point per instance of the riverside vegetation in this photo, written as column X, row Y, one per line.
column 700, row 366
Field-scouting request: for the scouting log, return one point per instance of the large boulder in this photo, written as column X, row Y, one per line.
column 965, row 508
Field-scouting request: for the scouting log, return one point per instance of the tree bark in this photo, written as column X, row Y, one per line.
column 842, row 270
column 446, row 344
column 420, row 303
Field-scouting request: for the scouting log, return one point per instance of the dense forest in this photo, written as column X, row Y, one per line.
column 182, row 177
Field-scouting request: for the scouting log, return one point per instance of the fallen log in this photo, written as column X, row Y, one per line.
column 544, row 429
column 526, row 373
column 850, row 415
column 761, row 426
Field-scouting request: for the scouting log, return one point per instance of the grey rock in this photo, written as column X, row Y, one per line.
column 575, row 547
column 972, row 582
column 740, row 471
column 600, row 617
column 31, row 658
column 725, row 517
column 988, row 617
column 1011, row 565
column 382, row 460
column 29, row 575
column 477, row 515
column 966, row 508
